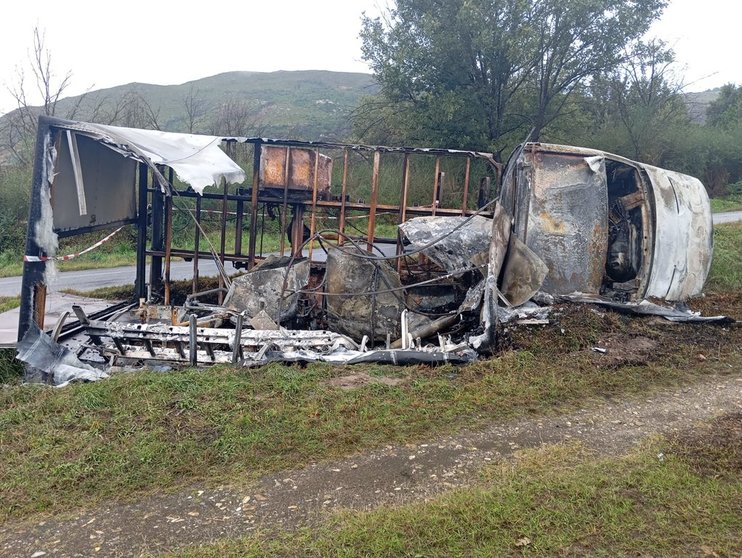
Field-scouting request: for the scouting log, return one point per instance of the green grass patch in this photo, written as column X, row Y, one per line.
column 555, row 501
column 147, row 431
column 9, row 302
column 726, row 267
column 729, row 203
column 122, row 292
column 119, row 251
column 11, row 370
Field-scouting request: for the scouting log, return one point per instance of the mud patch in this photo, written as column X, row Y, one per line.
column 714, row 449
column 355, row 381
column 622, row 350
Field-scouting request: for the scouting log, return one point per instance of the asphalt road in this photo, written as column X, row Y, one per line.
column 90, row 279
column 727, row 217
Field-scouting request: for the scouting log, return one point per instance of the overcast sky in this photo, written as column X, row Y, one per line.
column 167, row 42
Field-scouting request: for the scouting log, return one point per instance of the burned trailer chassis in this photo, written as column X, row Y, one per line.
column 157, row 196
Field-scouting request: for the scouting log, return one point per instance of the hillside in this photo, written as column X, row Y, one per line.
column 698, row 102
column 309, row 104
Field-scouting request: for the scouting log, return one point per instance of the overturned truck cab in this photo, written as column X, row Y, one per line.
column 344, row 253
column 606, row 225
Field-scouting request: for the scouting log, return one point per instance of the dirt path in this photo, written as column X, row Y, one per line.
column 389, row 475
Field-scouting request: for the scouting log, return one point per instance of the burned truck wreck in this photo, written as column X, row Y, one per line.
column 345, row 253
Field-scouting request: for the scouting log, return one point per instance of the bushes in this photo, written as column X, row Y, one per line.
column 15, row 185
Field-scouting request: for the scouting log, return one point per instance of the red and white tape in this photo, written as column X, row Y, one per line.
column 70, row 256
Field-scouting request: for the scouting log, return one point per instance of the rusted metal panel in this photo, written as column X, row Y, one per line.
column 300, row 168
column 568, row 219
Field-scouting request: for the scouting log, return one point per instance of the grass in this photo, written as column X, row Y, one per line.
column 9, row 302
column 136, row 433
column 116, row 252
column 726, row 267
column 730, row 203
column 11, row 369
column 555, row 501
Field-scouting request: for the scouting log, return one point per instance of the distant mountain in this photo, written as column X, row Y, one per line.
column 312, row 104
column 699, row 102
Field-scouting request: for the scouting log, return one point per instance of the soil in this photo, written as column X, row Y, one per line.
column 354, row 381
column 713, row 449
column 391, row 475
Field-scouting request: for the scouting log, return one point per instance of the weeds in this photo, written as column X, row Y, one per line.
column 11, row 370
column 729, row 203
column 9, row 302
column 726, row 267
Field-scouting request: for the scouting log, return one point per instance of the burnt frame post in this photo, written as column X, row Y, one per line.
column 33, row 287
column 141, row 276
column 158, row 237
column 257, row 149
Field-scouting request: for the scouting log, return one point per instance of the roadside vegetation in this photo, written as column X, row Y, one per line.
column 9, row 302
column 555, row 501
column 147, row 431
column 11, row 370
column 726, row 267
column 730, row 203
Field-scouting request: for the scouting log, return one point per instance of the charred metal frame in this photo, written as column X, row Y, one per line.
column 154, row 220
column 33, row 285
column 249, row 203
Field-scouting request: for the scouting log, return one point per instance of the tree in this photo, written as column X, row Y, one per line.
column 195, row 108
column 471, row 73
column 134, row 111
column 450, row 68
column 19, row 130
column 646, row 99
column 577, row 40
column 237, row 117
column 726, row 110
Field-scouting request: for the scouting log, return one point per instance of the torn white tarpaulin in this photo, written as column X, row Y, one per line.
column 196, row 159
column 44, row 234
